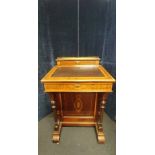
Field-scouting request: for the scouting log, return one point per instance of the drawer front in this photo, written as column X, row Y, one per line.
column 78, row 87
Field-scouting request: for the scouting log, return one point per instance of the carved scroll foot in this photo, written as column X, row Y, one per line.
column 56, row 133
column 100, row 134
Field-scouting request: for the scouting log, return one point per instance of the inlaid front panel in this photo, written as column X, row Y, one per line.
column 78, row 104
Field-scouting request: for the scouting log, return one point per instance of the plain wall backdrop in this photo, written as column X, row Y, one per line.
column 58, row 37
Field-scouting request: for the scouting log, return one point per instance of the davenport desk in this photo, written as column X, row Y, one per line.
column 78, row 88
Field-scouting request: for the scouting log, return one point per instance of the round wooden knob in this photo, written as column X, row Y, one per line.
column 52, row 102
column 56, row 126
column 103, row 102
column 102, row 106
column 53, row 106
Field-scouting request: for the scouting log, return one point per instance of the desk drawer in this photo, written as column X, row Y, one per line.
column 78, row 87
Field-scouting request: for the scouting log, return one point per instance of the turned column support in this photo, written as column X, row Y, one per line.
column 99, row 127
column 102, row 106
column 57, row 127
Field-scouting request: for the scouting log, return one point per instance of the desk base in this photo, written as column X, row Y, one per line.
column 78, row 109
column 58, row 127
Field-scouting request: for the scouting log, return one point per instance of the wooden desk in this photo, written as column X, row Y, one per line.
column 78, row 88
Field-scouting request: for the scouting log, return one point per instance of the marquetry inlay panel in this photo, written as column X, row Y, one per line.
column 78, row 104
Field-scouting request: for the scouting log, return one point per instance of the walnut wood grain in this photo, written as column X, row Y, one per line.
column 78, row 88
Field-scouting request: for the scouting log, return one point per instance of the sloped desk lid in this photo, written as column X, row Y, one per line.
column 83, row 73
column 79, row 71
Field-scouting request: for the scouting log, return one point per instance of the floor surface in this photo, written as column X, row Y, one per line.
column 76, row 140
